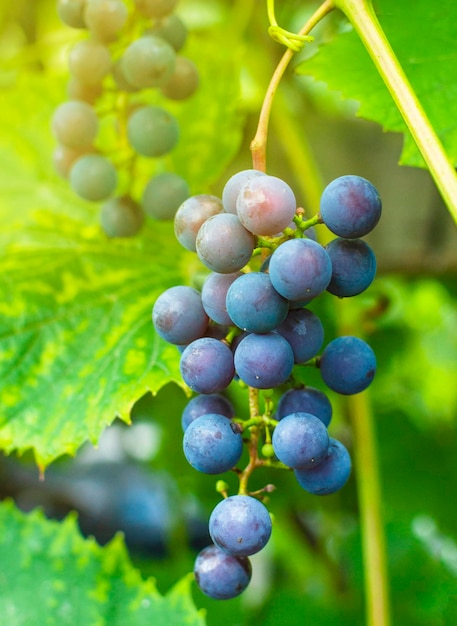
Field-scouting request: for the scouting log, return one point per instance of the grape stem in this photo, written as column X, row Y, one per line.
column 259, row 143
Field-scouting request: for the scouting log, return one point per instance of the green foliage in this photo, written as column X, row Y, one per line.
column 74, row 582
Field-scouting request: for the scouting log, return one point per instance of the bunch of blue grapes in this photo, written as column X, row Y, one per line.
column 126, row 56
column 251, row 325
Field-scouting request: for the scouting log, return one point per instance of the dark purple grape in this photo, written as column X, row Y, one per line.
column 240, row 525
column 201, row 405
column 233, row 186
column 223, row 244
column 212, row 444
column 348, row 365
column 221, row 576
column 300, row 269
column 264, row 361
column 192, row 213
column 207, row 365
column 300, row 440
column 178, row 315
column 330, row 475
column 214, row 293
column 353, row 266
column 254, row 305
column 307, row 400
column 350, row 206
column 305, row 333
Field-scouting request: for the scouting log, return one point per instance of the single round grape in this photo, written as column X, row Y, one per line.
column 300, row 269
column 330, row 475
column 207, row 365
column 264, row 361
column 307, row 400
column 266, row 205
column 93, row 177
column 223, row 244
column 233, row 186
column 172, row 29
column 148, row 62
column 71, row 12
column 77, row 90
column 164, row 194
column 121, row 217
column 347, row 365
column 64, row 158
column 184, row 81
column 353, row 267
column 254, row 305
column 152, row 131
column 105, row 18
column 212, row 444
column 221, row 576
column 350, row 206
column 178, row 315
column 75, row 124
column 240, row 525
column 214, row 294
column 204, row 404
column 156, row 8
column 300, row 440
column 89, row 62
column 305, row 333
column 192, row 213
column 120, row 79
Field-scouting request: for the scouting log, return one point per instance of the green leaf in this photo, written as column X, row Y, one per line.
column 55, row 577
column 420, row 33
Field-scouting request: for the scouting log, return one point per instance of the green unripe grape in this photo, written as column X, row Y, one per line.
column 77, row 90
column 105, row 18
column 71, row 12
column 164, row 194
column 268, row 451
column 152, row 131
column 121, row 217
column 64, row 158
column 183, row 82
column 148, row 62
column 93, row 177
column 75, row 124
column 89, row 62
column 172, row 29
column 121, row 81
column 155, row 8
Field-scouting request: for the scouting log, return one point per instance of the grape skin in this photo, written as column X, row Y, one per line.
column 152, row 131
column 350, row 206
column 307, row 400
column 240, row 525
column 121, row 217
column 207, row 365
column 233, row 186
column 347, row 365
column 148, row 62
column 204, row 404
column 266, row 205
column 212, row 444
column 77, row 90
column 75, row 124
column 221, row 576
column 64, row 158
column 93, row 177
column 71, row 12
column 178, row 315
column 89, row 61
column 264, row 361
column 214, row 294
column 300, row 269
column 223, row 244
column 164, row 194
column 183, row 82
column 305, row 333
column 254, row 305
column 105, row 18
column 172, row 29
column 330, row 475
column 353, row 267
column 190, row 216
column 300, row 440
column 155, row 8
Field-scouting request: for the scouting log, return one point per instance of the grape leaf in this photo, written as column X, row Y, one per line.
column 50, row 575
column 421, row 34
column 77, row 345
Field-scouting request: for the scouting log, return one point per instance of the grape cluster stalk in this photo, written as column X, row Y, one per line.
column 250, row 325
column 125, row 57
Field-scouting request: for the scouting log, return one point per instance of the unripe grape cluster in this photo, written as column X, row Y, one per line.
column 251, row 324
column 112, row 72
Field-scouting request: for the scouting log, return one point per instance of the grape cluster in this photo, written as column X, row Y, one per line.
column 112, row 73
column 250, row 323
